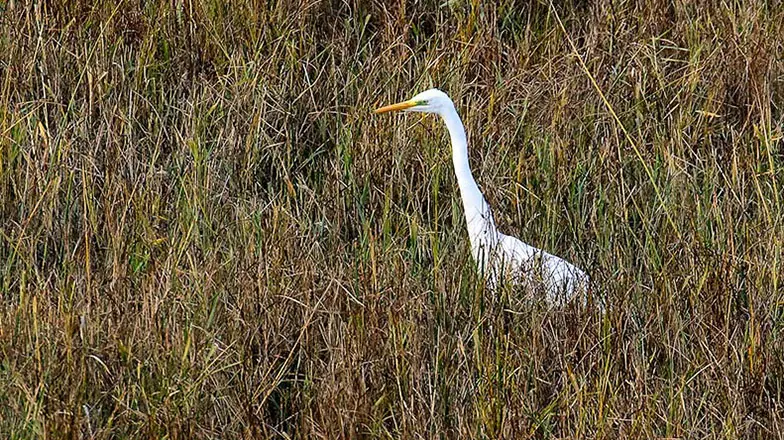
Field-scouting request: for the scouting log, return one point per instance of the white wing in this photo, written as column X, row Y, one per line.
column 534, row 267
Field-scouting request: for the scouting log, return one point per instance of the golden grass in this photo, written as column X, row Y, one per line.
column 207, row 234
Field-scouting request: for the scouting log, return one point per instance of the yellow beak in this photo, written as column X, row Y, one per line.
column 399, row 106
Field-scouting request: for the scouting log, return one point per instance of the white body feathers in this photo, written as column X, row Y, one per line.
column 499, row 258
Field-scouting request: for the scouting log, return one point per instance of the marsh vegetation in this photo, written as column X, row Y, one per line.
column 205, row 233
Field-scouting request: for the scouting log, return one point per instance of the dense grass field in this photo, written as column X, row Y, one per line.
column 206, row 233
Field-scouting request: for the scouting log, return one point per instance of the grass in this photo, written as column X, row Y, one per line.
column 207, row 234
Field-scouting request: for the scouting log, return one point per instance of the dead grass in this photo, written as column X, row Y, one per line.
column 206, row 234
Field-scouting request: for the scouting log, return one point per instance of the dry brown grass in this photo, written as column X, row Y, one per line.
column 206, row 234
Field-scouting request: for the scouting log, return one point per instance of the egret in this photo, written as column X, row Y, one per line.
column 498, row 257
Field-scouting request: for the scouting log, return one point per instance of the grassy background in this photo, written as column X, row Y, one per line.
column 205, row 233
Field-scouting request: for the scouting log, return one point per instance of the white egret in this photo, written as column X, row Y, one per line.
column 498, row 257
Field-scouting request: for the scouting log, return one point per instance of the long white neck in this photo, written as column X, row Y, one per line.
column 468, row 187
column 479, row 219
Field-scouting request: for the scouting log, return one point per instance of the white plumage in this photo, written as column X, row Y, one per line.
column 498, row 257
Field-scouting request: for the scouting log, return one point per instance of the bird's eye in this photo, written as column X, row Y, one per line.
column 422, row 102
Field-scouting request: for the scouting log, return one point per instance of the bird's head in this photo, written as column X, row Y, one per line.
column 429, row 101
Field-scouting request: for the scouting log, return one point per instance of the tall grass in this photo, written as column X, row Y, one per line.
column 205, row 233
